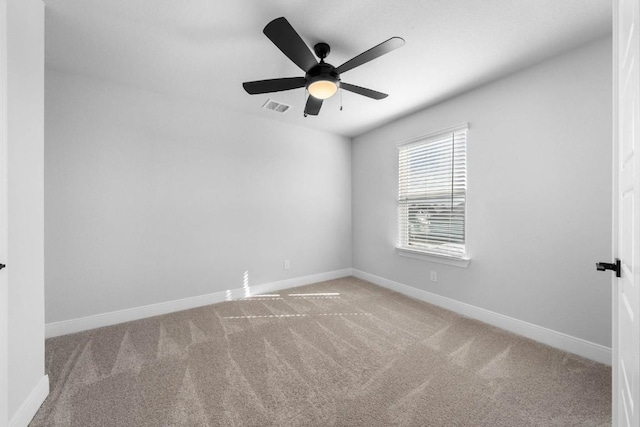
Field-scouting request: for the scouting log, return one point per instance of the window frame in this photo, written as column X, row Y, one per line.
column 462, row 260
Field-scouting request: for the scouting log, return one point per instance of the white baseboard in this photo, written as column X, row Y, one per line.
column 550, row 337
column 112, row 318
column 556, row 339
column 30, row 406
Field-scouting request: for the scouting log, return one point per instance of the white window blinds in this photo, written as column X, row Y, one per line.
column 433, row 193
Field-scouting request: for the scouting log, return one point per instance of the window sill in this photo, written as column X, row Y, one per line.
column 441, row 259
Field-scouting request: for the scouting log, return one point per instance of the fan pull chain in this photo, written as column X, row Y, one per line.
column 304, row 100
column 340, row 99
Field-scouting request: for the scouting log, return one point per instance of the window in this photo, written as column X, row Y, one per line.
column 433, row 193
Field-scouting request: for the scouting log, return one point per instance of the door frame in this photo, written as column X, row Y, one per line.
column 4, row 295
column 614, row 216
column 618, row 413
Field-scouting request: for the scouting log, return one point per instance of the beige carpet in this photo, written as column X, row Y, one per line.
column 360, row 355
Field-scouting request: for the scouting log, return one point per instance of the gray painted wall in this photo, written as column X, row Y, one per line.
column 539, row 198
column 151, row 198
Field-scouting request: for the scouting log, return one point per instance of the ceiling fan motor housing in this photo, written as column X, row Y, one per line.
column 322, row 72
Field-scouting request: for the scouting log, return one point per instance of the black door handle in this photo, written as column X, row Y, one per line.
column 2, row 266
column 602, row 266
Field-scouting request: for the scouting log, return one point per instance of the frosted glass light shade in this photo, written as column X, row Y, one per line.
column 322, row 89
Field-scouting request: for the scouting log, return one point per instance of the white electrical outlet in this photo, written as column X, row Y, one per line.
column 286, row 264
column 434, row 276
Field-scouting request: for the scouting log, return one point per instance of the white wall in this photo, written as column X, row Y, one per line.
column 25, row 203
column 539, row 198
column 151, row 198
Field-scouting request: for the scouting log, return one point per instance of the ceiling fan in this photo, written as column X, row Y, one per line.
column 321, row 79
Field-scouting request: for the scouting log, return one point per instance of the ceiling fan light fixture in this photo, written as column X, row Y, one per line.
column 323, row 89
column 321, row 80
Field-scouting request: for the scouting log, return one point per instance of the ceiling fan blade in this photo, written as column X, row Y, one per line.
column 313, row 106
column 273, row 85
column 363, row 91
column 371, row 54
column 282, row 34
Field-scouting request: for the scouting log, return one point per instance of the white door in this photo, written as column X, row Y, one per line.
column 626, row 331
column 4, row 416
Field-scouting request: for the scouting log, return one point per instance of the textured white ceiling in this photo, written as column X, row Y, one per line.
column 205, row 49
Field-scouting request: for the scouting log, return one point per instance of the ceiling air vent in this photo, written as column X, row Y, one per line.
column 276, row 106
